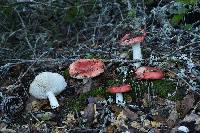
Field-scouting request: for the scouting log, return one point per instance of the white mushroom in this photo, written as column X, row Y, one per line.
column 183, row 129
column 47, row 85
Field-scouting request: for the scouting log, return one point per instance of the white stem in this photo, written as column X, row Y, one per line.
column 52, row 99
column 137, row 54
column 119, row 98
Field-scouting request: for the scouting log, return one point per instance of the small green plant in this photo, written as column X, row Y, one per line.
column 179, row 13
column 132, row 13
column 73, row 13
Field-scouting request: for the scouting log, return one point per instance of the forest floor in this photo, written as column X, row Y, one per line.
column 43, row 35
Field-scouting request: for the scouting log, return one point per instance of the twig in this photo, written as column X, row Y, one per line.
column 21, row 76
column 180, row 48
column 26, row 34
column 180, row 78
column 35, row 117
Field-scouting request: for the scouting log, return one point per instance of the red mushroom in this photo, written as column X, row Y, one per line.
column 135, row 43
column 146, row 72
column 118, row 90
column 86, row 69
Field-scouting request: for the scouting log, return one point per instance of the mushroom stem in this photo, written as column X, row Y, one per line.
column 137, row 54
column 119, row 98
column 52, row 99
column 86, row 80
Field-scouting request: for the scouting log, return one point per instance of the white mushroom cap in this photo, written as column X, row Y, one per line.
column 47, row 85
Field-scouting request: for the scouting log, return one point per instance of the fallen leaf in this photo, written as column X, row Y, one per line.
column 192, row 117
column 120, row 121
column 130, row 114
column 184, row 106
column 33, row 104
column 86, row 87
column 89, row 113
column 70, row 120
column 146, row 123
column 135, row 124
column 155, row 124
column 162, row 114
column 161, row 101
column 173, row 118
column 116, row 109
column 109, row 129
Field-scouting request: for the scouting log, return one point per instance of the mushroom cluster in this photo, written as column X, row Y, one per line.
column 48, row 84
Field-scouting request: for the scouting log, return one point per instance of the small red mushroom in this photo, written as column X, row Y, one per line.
column 118, row 90
column 86, row 69
column 129, row 40
column 146, row 72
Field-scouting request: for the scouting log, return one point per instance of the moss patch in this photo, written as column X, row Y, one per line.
column 164, row 87
column 81, row 102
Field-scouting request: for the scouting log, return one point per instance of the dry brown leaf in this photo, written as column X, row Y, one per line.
column 70, row 120
column 192, row 117
column 173, row 118
column 162, row 114
column 116, row 109
column 89, row 113
column 130, row 114
column 155, row 124
column 161, row 101
column 110, row 129
column 137, row 125
column 120, row 121
column 184, row 106
column 171, row 74
column 35, row 105
column 86, row 87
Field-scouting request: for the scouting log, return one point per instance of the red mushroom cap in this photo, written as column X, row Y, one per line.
column 86, row 68
column 119, row 89
column 146, row 72
column 129, row 40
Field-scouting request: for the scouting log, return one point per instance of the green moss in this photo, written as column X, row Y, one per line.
column 114, row 82
column 66, row 73
column 164, row 87
column 149, row 2
column 189, row 2
column 89, row 56
column 176, row 19
column 81, row 102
